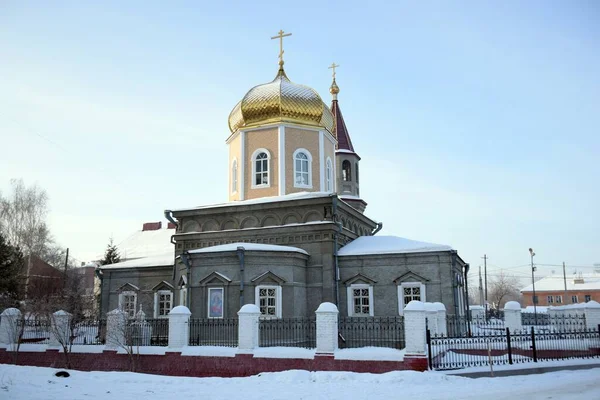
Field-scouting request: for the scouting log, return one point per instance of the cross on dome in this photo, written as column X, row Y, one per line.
column 333, row 66
column 280, row 35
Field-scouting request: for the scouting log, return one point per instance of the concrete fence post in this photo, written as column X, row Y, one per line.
column 248, row 328
column 441, row 318
column 414, row 329
column 60, row 329
column 512, row 316
column 116, row 326
column 179, row 327
column 9, row 326
column 592, row 314
column 431, row 317
column 327, row 328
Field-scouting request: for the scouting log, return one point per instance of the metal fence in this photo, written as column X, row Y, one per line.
column 505, row 347
column 371, row 332
column 39, row 331
column 148, row 332
column 288, row 332
column 214, row 332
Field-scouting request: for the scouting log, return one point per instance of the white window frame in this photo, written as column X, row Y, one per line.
column 210, row 289
column 254, row 156
column 558, row 299
column 157, row 295
column 234, row 176
column 550, row 299
column 401, row 287
column 277, row 299
column 350, row 296
column 328, row 175
column 308, row 173
column 574, row 296
column 122, row 296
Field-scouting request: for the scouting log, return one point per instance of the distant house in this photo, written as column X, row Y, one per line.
column 41, row 278
column 550, row 291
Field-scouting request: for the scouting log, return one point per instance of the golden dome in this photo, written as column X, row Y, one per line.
column 281, row 101
column 334, row 89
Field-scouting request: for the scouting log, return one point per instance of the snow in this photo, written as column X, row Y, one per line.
column 263, row 200
column 388, row 245
column 165, row 259
column 327, row 307
column 142, row 244
column 370, row 353
column 512, row 305
column 247, row 247
column 345, row 151
column 181, row 310
column 538, row 309
column 29, row 383
column 249, row 309
column 415, row 305
column 591, row 281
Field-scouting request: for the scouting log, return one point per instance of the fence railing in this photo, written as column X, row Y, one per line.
column 214, row 332
column 371, row 332
column 288, row 332
column 505, row 347
column 39, row 331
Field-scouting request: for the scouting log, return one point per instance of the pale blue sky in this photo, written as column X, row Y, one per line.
column 477, row 122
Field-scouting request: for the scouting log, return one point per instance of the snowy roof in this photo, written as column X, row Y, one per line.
column 148, row 243
column 165, row 259
column 388, row 245
column 247, row 247
column 262, row 200
column 550, row 283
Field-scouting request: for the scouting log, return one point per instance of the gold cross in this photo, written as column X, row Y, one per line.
column 333, row 66
column 280, row 36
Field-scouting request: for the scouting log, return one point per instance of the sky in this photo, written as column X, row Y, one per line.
column 477, row 122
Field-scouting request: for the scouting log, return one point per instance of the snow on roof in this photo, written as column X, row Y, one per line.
column 388, row 245
column 165, row 259
column 247, row 247
column 261, row 200
column 146, row 244
column 590, row 281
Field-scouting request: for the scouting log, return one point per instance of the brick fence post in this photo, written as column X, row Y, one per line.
column 9, row 327
column 592, row 315
column 327, row 329
column 441, row 318
column 179, row 327
column 116, row 325
column 248, row 329
column 60, row 328
column 512, row 316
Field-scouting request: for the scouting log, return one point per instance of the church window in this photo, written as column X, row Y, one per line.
column 163, row 302
column 356, row 169
column 409, row 291
column 302, row 169
column 234, row 176
column 360, row 300
column 128, row 303
column 268, row 300
column 260, row 167
column 328, row 175
column 346, row 171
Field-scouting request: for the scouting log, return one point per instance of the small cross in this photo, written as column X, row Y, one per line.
column 333, row 66
column 280, row 36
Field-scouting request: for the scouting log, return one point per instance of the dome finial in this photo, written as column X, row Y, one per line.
column 280, row 36
column 334, row 89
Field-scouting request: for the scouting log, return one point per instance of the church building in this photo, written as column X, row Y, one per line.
column 293, row 233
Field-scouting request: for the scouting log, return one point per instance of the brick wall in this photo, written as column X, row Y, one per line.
column 543, row 297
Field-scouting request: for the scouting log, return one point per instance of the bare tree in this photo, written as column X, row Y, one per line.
column 503, row 288
column 23, row 218
column 127, row 334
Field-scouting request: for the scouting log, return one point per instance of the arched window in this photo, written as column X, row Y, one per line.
column 302, row 169
column 328, row 175
column 346, row 171
column 356, row 169
column 260, row 168
column 234, row 176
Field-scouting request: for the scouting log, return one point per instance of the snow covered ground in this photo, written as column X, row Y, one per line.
column 28, row 383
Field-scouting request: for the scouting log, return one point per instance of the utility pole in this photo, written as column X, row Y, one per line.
column 485, row 279
column 565, row 279
column 532, row 253
column 480, row 288
column 65, row 275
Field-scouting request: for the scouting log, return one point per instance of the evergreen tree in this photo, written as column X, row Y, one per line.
column 11, row 272
column 111, row 256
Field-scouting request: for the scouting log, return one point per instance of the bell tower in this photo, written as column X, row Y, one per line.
column 346, row 159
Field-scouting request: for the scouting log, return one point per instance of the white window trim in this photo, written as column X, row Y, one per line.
column 329, row 176
column 277, row 299
column 350, row 297
column 122, row 299
column 550, row 299
column 558, row 299
column 157, row 302
column 234, row 176
column 310, row 161
column 210, row 289
column 401, row 287
column 576, row 299
column 253, row 160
